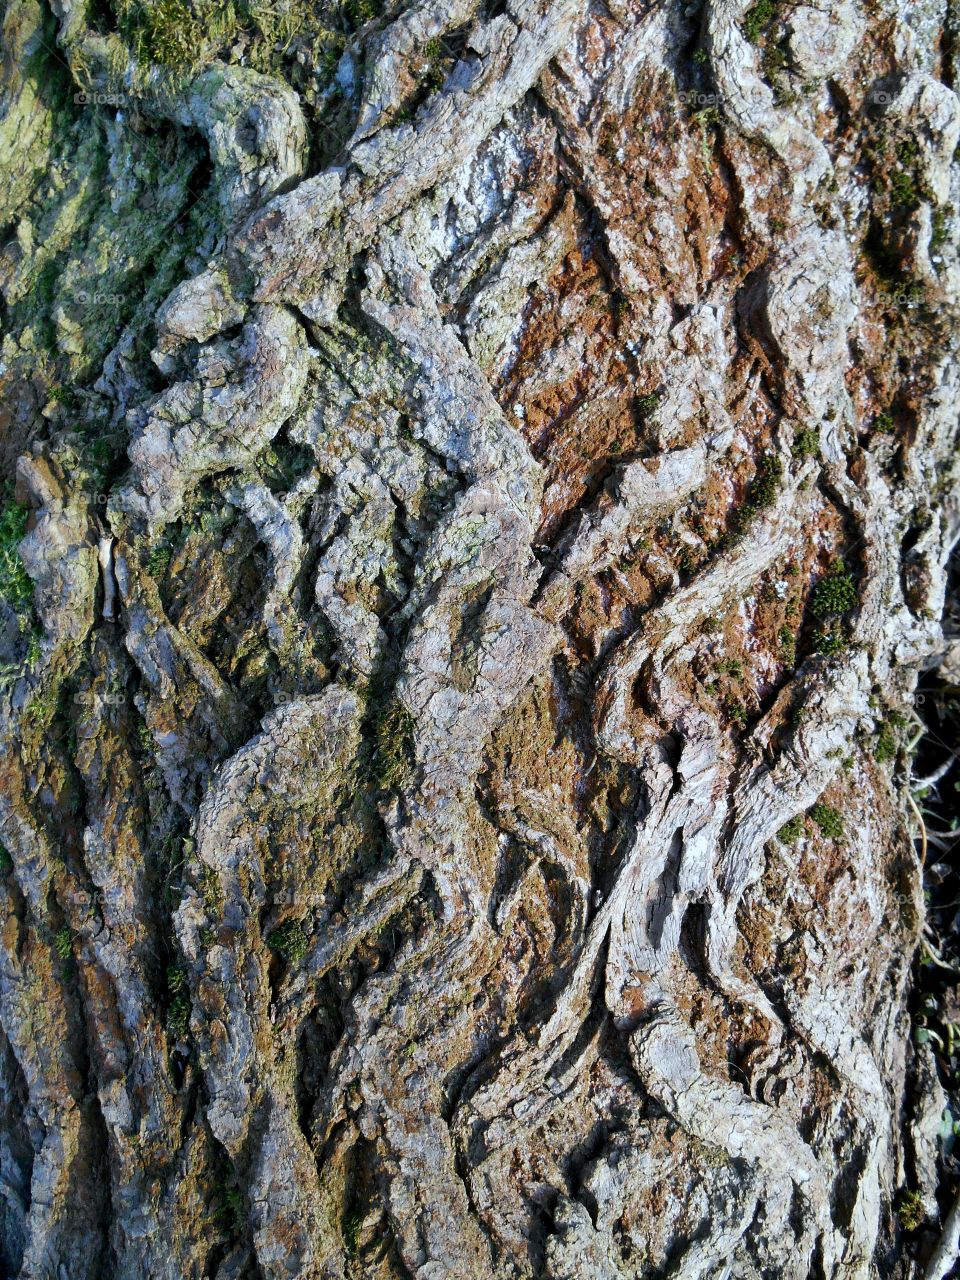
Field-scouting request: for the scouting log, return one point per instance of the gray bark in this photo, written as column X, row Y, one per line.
column 484, row 486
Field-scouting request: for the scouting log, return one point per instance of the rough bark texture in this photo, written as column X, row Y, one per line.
column 484, row 485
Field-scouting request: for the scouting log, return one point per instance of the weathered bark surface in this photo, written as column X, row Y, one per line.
column 454, row 800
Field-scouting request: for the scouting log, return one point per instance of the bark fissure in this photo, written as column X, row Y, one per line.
column 461, row 614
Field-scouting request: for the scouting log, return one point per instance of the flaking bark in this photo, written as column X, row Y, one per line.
column 484, row 484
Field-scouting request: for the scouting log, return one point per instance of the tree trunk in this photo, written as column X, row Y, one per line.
column 484, row 485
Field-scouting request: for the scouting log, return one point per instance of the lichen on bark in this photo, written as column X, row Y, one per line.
column 480, row 486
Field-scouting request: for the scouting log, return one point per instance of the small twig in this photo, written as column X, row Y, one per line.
column 935, row 955
column 923, row 830
column 918, row 784
column 948, row 1249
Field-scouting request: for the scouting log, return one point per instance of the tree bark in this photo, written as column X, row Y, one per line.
column 484, row 481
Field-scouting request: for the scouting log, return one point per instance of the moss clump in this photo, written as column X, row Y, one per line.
column 883, row 422
column 211, row 892
column 788, row 646
column 176, row 979
column 360, row 11
column 758, row 19
column 806, row 443
column 828, row 820
column 178, row 1017
column 231, row 1208
column 910, row 1210
column 829, row 641
column 763, row 491
column 887, row 743
column 688, row 560
column 903, row 188
column 168, row 32
column 438, row 62
column 159, row 560
column 730, row 667
column 289, row 941
column 350, row 1228
column 15, row 587
column 393, row 736
column 62, row 944
column 791, row 831
column 940, row 230
column 647, row 405
column 736, row 711
column 178, row 1009
column 834, row 594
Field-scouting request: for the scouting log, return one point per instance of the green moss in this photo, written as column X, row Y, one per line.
column 350, row 1229
column 15, row 587
column 211, row 892
column 168, row 32
column 791, row 831
column 806, row 443
column 758, row 19
column 42, row 708
column 828, row 820
column 158, row 560
column 736, row 711
column 62, row 944
column 176, row 979
column 688, row 560
column 903, row 188
column 763, row 490
column 910, row 1210
column 940, row 230
column 788, row 646
column 883, row 422
column 887, row 743
column 730, row 667
column 647, row 405
column 438, row 65
column 359, row 12
column 774, row 62
column 767, row 481
column 834, row 594
column 178, row 1017
column 393, row 736
column 232, row 1208
column 178, row 1008
column 289, row 941
column 829, row 641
